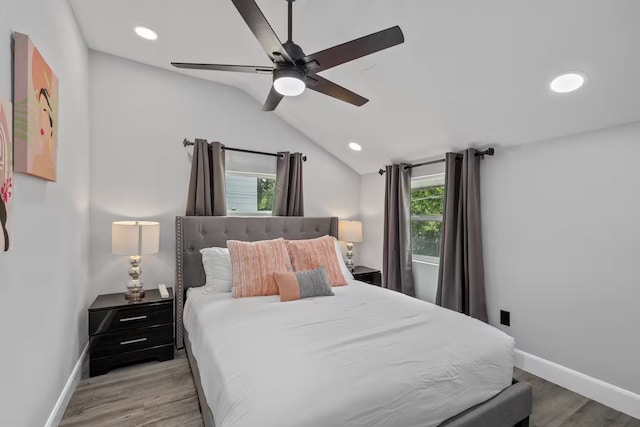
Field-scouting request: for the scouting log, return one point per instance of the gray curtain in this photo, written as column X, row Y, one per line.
column 461, row 276
column 289, row 198
column 398, row 270
column 207, row 185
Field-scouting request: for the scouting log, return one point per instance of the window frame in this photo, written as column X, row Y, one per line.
column 257, row 175
column 426, row 259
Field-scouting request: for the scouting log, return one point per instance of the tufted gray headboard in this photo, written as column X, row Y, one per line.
column 197, row 232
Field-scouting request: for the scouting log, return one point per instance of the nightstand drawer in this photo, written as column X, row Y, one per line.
column 118, row 319
column 130, row 340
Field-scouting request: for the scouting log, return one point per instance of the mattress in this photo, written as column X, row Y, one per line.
column 365, row 357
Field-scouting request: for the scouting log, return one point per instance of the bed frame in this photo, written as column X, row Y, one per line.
column 511, row 407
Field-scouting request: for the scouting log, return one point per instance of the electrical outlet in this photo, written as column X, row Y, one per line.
column 505, row 318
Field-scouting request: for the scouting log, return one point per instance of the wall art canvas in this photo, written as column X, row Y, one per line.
column 35, row 111
column 6, row 175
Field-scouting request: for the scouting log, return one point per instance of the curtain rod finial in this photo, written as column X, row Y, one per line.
column 381, row 171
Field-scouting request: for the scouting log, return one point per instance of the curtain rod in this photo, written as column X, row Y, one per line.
column 488, row 152
column 188, row 143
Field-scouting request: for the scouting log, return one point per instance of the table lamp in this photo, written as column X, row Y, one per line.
column 135, row 238
column 350, row 232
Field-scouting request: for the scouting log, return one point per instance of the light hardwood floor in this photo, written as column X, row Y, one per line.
column 163, row 394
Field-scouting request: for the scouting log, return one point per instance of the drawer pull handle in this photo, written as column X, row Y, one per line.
column 133, row 341
column 129, row 319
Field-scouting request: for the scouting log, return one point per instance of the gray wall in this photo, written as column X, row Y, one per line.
column 561, row 246
column 44, row 288
column 139, row 168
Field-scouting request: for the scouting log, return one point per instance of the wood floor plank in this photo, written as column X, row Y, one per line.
column 171, row 410
column 163, row 395
column 594, row 414
column 552, row 404
column 125, row 414
column 193, row 419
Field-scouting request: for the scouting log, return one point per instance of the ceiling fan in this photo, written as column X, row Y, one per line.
column 292, row 69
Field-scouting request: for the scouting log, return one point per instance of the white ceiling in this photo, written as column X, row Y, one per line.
column 470, row 72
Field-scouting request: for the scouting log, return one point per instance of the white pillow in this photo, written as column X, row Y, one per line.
column 217, row 267
column 347, row 274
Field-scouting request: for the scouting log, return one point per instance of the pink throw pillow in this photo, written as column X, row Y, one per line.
column 253, row 265
column 315, row 253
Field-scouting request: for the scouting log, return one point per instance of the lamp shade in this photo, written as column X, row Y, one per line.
column 350, row 231
column 135, row 237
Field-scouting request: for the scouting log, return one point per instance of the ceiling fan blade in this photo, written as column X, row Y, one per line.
column 354, row 49
column 322, row 85
column 218, row 67
column 260, row 28
column 273, row 100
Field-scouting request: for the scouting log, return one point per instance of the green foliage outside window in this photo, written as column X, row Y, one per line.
column 266, row 194
column 427, row 206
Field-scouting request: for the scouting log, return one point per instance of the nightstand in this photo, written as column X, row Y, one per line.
column 123, row 332
column 367, row 275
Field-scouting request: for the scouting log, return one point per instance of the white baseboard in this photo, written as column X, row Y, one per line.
column 610, row 395
column 63, row 400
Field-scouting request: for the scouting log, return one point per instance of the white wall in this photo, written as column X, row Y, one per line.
column 44, row 278
column 139, row 168
column 561, row 245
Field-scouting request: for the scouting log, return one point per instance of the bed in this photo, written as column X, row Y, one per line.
column 356, row 359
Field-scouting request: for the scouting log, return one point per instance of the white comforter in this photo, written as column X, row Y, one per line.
column 366, row 357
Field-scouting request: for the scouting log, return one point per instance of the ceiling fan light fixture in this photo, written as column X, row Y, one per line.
column 289, row 82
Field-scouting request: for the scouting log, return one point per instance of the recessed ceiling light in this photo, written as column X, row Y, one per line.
column 355, row 146
column 566, row 83
column 146, row 33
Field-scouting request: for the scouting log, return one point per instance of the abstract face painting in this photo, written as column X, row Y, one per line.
column 36, row 112
column 6, row 175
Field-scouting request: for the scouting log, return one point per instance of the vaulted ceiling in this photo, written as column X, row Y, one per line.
column 471, row 72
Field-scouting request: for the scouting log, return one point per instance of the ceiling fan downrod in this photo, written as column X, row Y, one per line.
column 290, row 16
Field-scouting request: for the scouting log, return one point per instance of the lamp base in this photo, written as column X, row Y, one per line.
column 350, row 264
column 135, row 288
column 134, row 295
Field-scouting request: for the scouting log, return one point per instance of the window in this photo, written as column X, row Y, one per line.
column 427, row 206
column 250, row 193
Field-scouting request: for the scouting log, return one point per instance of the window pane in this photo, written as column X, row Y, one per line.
column 250, row 193
column 425, row 237
column 427, row 201
column 241, row 193
column 266, row 194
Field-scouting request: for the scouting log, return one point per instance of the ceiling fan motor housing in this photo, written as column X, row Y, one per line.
column 289, row 70
column 294, row 51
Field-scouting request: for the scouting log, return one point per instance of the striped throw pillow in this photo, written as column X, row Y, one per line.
column 315, row 253
column 253, row 265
